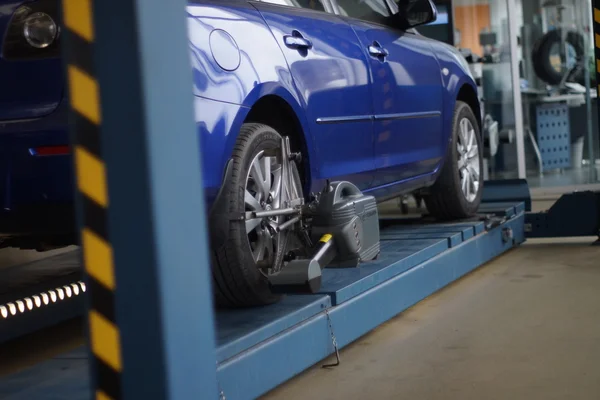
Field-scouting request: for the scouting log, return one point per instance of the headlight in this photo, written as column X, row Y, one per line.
column 33, row 32
column 40, row 30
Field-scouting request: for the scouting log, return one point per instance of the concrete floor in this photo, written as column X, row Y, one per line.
column 583, row 176
column 525, row 326
column 10, row 257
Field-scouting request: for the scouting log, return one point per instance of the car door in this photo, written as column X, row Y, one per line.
column 331, row 73
column 407, row 92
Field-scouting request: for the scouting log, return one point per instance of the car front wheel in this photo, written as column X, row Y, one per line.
column 457, row 191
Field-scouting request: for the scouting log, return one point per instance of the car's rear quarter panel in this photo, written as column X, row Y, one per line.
column 224, row 97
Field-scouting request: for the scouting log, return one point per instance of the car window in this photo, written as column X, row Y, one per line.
column 311, row 4
column 368, row 10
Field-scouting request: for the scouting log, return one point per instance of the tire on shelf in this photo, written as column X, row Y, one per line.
column 541, row 52
column 237, row 279
column 448, row 198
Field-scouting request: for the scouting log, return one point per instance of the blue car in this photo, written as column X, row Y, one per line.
column 351, row 85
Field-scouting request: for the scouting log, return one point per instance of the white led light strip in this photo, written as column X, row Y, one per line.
column 41, row 299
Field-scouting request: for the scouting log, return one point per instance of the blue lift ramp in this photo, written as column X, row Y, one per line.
column 417, row 259
column 259, row 349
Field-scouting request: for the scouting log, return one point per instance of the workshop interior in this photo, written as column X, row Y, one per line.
column 290, row 199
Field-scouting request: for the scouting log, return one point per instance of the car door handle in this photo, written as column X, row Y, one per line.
column 377, row 51
column 297, row 41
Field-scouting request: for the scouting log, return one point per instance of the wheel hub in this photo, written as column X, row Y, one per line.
column 468, row 160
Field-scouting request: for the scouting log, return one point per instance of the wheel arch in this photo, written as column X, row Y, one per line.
column 281, row 115
column 461, row 89
column 468, row 94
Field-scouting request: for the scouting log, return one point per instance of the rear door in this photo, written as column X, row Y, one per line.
column 331, row 73
column 31, row 73
column 407, row 92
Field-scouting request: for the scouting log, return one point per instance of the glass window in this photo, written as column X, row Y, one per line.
column 484, row 39
column 558, row 81
column 316, row 5
column 368, row 10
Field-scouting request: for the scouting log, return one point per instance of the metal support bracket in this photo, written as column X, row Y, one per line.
column 492, row 221
column 507, row 191
column 573, row 215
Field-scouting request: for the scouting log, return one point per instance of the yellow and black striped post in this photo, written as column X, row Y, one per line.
column 139, row 199
column 90, row 178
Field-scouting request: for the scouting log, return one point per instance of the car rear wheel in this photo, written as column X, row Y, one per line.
column 457, row 191
column 253, row 249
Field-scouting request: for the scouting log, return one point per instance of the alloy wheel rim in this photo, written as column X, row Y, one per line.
column 264, row 191
column 468, row 160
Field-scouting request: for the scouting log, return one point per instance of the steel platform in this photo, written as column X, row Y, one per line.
column 418, row 258
column 416, row 261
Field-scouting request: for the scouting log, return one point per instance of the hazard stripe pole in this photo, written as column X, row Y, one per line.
column 140, row 207
column 90, row 177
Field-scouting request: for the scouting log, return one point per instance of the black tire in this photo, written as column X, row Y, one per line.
column 237, row 280
column 446, row 200
column 541, row 54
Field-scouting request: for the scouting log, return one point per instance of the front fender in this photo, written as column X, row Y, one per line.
column 456, row 74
